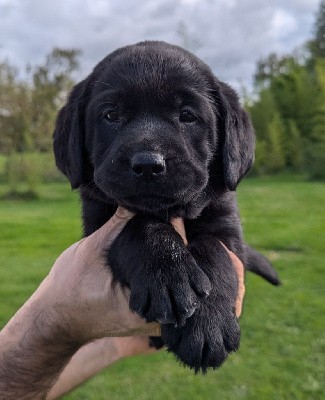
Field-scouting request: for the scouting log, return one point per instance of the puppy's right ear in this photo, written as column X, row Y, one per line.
column 238, row 136
column 69, row 136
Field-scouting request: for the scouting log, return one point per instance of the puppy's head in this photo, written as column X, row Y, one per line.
column 154, row 129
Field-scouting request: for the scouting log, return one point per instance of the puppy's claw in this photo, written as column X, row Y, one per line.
column 200, row 344
column 139, row 302
column 187, row 314
column 199, row 282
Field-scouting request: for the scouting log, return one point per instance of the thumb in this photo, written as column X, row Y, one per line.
column 239, row 268
column 106, row 234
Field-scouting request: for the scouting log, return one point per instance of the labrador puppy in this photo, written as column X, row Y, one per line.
column 153, row 130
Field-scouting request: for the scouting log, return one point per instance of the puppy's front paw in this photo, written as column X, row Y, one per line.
column 166, row 283
column 170, row 290
column 205, row 340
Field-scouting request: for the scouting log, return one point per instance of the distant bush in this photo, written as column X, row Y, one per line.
column 316, row 161
column 31, row 169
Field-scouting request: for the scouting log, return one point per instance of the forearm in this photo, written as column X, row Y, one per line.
column 95, row 356
column 34, row 349
column 85, row 363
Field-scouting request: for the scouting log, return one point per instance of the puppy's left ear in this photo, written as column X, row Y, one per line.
column 237, row 134
column 68, row 138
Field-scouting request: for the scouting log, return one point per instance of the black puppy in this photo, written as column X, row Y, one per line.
column 153, row 130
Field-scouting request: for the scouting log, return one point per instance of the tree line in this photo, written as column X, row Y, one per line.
column 28, row 106
column 28, row 109
column 287, row 106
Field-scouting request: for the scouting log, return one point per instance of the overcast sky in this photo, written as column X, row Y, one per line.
column 230, row 35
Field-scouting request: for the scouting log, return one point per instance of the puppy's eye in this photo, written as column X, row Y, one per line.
column 112, row 115
column 187, row 116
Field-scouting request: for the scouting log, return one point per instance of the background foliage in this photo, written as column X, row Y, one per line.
column 287, row 106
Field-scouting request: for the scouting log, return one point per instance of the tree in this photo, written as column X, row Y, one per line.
column 275, row 154
column 51, row 84
column 317, row 45
column 262, row 112
column 295, row 94
column 14, row 111
column 315, row 153
column 28, row 110
column 27, row 114
column 270, row 67
column 293, row 86
column 294, row 148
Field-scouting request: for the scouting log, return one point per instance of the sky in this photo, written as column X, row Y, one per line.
column 229, row 35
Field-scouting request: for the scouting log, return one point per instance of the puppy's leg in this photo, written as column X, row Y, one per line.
column 212, row 332
column 95, row 213
column 166, row 283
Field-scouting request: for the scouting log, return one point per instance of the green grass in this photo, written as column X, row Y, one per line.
column 283, row 344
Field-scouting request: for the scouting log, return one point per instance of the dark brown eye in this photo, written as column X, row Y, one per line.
column 112, row 115
column 187, row 116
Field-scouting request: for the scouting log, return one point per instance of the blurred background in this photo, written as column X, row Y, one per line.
column 273, row 53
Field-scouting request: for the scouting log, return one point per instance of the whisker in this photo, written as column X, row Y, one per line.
column 86, row 187
column 104, row 103
column 104, row 83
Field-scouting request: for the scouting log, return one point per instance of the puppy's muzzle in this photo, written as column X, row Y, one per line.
column 148, row 165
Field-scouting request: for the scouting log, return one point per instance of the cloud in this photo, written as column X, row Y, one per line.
column 282, row 24
column 230, row 35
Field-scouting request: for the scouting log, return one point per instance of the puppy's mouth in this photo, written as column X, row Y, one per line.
column 149, row 202
column 153, row 196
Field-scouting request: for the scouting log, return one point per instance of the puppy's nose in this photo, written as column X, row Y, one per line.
column 148, row 165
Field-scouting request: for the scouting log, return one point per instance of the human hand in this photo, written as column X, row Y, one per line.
column 80, row 286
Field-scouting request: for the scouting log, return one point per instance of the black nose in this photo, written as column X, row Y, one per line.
column 148, row 165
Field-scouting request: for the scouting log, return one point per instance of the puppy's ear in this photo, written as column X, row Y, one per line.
column 237, row 135
column 69, row 136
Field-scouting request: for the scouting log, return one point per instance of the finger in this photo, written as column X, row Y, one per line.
column 241, row 285
column 239, row 267
column 178, row 224
column 94, row 357
column 123, row 213
column 136, row 326
column 110, row 230
column 132, row 345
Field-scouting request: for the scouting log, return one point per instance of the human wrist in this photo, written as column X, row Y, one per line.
column 34, row 349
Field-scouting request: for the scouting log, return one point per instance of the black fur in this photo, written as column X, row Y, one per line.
column 159, row 104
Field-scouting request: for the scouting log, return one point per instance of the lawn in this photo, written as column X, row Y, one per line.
column 282, row 353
